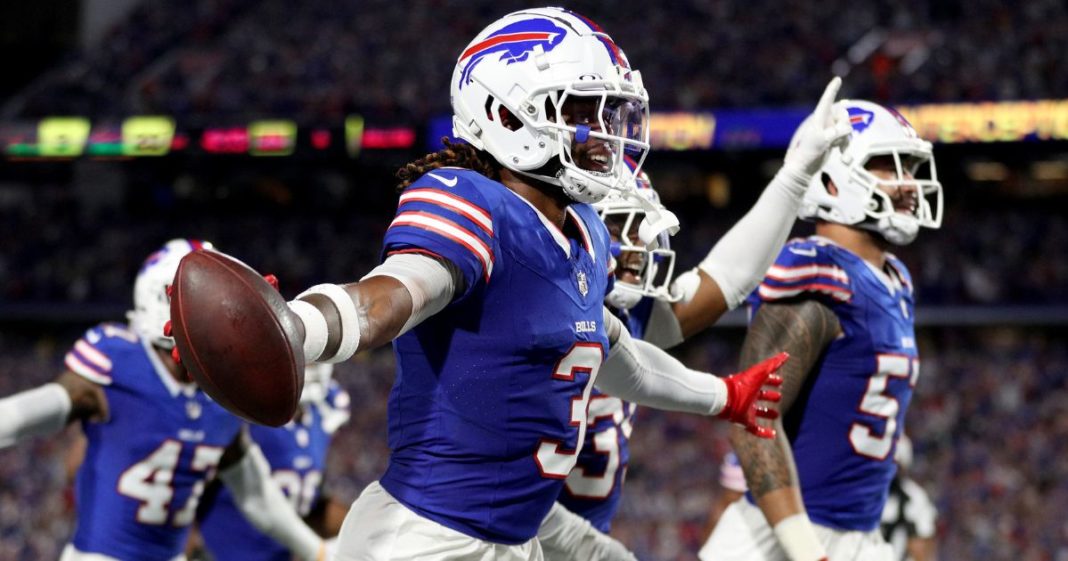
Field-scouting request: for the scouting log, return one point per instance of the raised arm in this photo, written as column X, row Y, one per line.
column 737, row 263
column 803, row 329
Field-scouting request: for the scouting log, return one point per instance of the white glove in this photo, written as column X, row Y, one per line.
column 825, row 128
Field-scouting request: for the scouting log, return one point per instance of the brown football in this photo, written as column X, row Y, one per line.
column 236, row 337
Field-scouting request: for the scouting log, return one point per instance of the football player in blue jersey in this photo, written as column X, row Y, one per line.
column 664, row 310
column 491, row 289
column 842, row 305
column 154, row 440
column 296, row 454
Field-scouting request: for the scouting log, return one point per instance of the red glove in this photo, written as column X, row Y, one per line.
column 746, row 389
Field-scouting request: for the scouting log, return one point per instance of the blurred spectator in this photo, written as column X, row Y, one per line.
column 237, row 58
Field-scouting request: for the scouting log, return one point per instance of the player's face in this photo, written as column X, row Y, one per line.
column 593, row 154
column 629, row 264
column 902, row 191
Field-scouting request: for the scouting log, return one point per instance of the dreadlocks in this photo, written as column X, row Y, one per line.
column 454, row 154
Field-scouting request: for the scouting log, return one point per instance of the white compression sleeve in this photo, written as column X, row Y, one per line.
column 566, row 535
column 742, row 256
column 430, row 283
column 266, row 508
column 35, row 412
column 640, row 372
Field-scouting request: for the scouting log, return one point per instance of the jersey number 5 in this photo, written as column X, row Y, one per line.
column 878, row 403
column 584, row 358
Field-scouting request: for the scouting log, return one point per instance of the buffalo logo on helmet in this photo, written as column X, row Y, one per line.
column 860, row 118
column 515, row 42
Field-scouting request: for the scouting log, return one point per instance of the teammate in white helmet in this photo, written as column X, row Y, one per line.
column 492, row 288
column 154, row 440
column 842, row 305
column 296, row 453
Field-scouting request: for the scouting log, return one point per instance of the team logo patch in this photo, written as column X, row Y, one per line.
column 583, row 286
column 193, row 410
column 860, row 118
column 514, row 42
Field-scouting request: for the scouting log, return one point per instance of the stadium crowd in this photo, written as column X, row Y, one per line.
column 988, row 422
column 53, row 248
column 237, row 59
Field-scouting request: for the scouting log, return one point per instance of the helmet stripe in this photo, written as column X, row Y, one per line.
column 506, row 38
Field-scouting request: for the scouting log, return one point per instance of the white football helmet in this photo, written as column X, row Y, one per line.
column 316, row 382
column 652, row 267
column 152, row 306
column 864, row 199
column 531, row 62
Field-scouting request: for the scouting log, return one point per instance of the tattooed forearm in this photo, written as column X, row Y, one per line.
column 804, row 329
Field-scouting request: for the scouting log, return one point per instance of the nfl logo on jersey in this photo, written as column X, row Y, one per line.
column 583, row 286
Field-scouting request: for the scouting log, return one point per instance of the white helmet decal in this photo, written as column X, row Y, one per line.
column 152, row 307
column 530, row 63
column 864, row 199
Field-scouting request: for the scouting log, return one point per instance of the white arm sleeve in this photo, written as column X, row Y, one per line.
column 35, row 412
column 742, row 256
column 265, row 507
column 566, row 535
column 431, row 284
column 644, row 374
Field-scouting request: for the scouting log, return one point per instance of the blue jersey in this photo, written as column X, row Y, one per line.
column 489, row 405
column 296, row 453
column 595, row 487
column 146, row 466
column 844, row 426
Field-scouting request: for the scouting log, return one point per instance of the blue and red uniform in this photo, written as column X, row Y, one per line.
column 844, row 425
column 594, row 488
column 146, row 466
column 489, row 405
column 296, row 453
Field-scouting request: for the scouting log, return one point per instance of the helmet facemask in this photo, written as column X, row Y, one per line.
column 885, row 179
column 904, row 192
column 596, row 130
column 537, row 81
column 641, row 269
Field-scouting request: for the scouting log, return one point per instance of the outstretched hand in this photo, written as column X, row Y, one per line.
column 745, row 392
column 824, row 129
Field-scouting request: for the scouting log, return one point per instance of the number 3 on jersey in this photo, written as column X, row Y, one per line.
column 584, row 358
column 879, row 403
column 606, row 442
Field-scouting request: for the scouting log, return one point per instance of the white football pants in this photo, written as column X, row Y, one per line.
column 743, row 534
column 378, row 528
column 72, row 554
